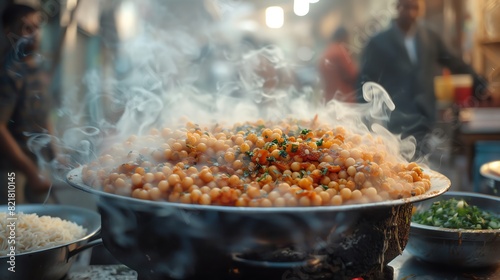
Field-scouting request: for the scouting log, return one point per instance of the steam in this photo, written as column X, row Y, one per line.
column 163, row 74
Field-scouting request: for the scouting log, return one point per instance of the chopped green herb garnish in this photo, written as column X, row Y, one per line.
column 295, row 147
column 324, row 187
column 283, row 153
column 453, row 213
column 305, row 131
column 319, row 142
column 285, row 141
column 263, row 176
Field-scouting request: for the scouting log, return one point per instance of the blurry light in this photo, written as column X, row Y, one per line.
column 313, row 1
column 305, row 53
column 275, row 17
column 301, row 7
column 248, row 25
column 126, row 20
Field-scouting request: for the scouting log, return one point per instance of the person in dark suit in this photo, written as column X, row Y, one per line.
column 403, row 59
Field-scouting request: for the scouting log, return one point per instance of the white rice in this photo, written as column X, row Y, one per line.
column 34, row 232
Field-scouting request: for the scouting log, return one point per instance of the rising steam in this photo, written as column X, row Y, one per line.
column 165, row 74
column 168, row 71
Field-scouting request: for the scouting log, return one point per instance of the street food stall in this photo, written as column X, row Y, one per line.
column 193, row 140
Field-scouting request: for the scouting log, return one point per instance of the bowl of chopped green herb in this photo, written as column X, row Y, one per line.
column 457, row 229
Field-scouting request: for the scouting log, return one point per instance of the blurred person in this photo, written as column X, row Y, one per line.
column 338, row 70
column 404, row 59
column 24, row 106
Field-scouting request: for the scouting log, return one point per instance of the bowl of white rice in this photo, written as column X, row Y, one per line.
column 41, row 241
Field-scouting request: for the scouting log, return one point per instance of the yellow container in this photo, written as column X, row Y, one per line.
column 444, row 89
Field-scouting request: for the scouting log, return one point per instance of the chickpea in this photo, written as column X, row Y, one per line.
column 205, row 199
column 187, row 182
column 149, row 177
column 195, row 164
column 356, row 195
column 229, row 157
column 120, row 183
column 266, row 203
column 345, row 193
column 241, row 202
column 136, row 179
column 336, row 200
column 253, row 192
column 292, row 202
column 279, row 202
column 325, row 197
column 345, row 154
column 351, row 171
column 207, row 177
column 174, row 179
column 244, row 147
column 316, row 200
column 295, row 166
column 304, row 201
column 155, row 194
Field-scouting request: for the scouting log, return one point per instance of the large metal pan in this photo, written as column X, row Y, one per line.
column 163, row 240
column 53, row 263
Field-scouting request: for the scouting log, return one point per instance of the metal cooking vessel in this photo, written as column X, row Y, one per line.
column 457, row 247
column 163, row 240
column 55, row 262
column 491, row 173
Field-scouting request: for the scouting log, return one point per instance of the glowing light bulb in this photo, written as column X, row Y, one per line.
column 301, row 7
column 275, row 17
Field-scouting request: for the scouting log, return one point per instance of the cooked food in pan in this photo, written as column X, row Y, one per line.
column 30, row 232
column 456, row 214
column 289, row 163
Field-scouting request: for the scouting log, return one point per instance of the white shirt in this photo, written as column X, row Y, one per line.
column 411, row 48
column 411, row 45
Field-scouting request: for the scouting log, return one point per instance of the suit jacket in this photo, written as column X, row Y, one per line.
column 385, row 60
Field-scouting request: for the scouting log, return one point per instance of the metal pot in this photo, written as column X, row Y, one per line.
column 465, row 248
column 55, row 262
column 163, row 240
column 491, row 178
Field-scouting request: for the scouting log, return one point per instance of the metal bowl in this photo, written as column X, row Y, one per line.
column 491, row 173
column 54, row 262
column 457, row 247
column 163, row 240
